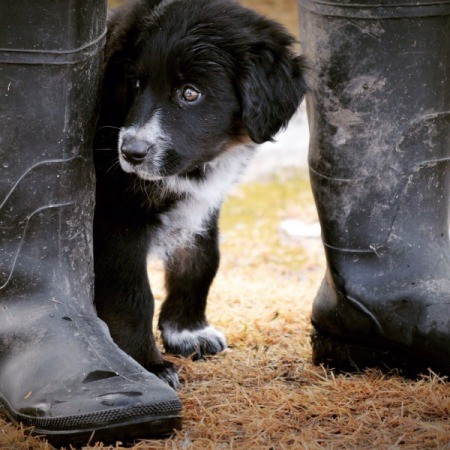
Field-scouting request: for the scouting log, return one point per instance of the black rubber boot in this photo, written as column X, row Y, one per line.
column 60, row 372
column 379, row 116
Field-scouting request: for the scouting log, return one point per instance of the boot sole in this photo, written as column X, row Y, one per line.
column 122, row 424
column 346, row 355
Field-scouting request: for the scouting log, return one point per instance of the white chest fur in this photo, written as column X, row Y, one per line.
column 200, row 199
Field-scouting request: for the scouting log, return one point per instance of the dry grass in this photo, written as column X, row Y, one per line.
column 264, row 393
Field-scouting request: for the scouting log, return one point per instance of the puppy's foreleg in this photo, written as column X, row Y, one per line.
column 189, row 274
column 123, row 297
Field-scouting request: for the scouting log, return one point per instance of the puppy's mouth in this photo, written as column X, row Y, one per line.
column 144, row 168
column 146, row 172
column 157, row 164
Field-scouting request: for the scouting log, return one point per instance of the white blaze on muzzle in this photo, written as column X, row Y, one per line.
column 156, row 141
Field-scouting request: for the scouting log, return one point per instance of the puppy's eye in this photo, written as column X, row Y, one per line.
column 190, row 94
column 135, row 83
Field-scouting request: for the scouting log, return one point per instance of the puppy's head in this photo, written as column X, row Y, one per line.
column 188, row 79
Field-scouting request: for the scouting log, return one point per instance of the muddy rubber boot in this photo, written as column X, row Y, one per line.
column 60, row 372
column 379, row 115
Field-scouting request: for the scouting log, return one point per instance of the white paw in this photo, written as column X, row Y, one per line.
column 197, row 343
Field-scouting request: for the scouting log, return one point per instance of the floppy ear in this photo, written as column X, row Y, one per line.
column 273, row 86
column 120, row 22
column 121, row 31
column 122, row 25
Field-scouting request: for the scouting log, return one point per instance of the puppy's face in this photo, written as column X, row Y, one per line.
column 183, row 111
column 185, row 80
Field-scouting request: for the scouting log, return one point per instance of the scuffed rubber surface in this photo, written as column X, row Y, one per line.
column 379, row 158
column 61, row 374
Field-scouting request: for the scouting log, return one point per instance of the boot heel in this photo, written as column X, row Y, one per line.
column 346, row 356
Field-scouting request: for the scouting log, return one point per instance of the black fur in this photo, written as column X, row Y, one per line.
column 250, row 82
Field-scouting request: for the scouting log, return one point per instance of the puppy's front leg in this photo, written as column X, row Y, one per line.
column 122, row 293
column 189, row 274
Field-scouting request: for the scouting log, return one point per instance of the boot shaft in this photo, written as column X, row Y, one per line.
column 48, row 28
column 48, row 85
column 379, row 118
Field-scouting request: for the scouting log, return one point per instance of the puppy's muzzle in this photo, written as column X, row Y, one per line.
column 134, row 150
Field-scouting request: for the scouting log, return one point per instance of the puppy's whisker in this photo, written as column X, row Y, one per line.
column 109, row 126
column 146, row 193
column 135, row 186
column 113, row 166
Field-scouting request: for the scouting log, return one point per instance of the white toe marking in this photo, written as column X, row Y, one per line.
column 189, row 340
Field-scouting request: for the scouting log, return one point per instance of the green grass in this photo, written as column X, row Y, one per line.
column 252, row 215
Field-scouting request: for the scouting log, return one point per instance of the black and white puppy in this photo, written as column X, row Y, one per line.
column 189, row 87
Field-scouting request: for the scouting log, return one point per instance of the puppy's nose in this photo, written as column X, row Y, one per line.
column 134, row 150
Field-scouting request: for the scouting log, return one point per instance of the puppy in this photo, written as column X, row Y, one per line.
column 189, row 88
